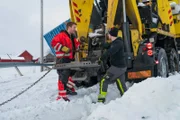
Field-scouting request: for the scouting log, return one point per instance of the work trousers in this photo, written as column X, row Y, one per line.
column 64, row 79
column 113, row 74
column 64, row 76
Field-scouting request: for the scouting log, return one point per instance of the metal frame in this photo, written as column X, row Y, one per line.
column 87, row 64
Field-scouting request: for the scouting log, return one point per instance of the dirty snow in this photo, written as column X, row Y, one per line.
column 153, row 99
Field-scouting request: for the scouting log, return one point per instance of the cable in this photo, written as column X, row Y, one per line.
column 14, row 97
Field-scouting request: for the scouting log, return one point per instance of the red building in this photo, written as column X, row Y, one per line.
column 23, row 57
column 27, row 56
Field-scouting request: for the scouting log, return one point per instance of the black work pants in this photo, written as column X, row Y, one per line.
column 66, row 73
column 63, row 76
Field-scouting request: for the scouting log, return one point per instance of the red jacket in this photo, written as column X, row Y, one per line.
column 63, row 39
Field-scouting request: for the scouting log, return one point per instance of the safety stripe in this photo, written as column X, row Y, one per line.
column 120, row 85
column 171, row 22
column 76, row 11
column 68, row 85
column 169, row 11
column 75, row 5
column 62, row 91
column 62, row 96
column 100, row 100
column 71, row 83
column 57, row 47
column 101, row 88
column 100, row 96
column 170, row 17
column 62, row 54
column 78, row 19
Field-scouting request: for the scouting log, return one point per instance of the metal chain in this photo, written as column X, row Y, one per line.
column 14, row 97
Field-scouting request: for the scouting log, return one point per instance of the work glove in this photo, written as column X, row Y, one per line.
column 100, row 61
column 103, row 58
column 103, row 63
column 65, row 49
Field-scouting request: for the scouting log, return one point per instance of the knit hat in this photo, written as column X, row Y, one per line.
column 113, row 32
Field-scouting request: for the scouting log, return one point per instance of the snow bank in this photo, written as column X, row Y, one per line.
column 39, row 103
column 153, row 99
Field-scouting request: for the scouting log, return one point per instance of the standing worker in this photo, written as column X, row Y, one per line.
column 65, row 44
column 118, row 67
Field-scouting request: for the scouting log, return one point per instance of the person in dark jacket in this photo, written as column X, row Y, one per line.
column 118, row 67
column 65, row 44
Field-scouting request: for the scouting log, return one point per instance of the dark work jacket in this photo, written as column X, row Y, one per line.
column 116, row 53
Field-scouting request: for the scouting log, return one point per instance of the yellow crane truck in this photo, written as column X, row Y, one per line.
column 150, row 30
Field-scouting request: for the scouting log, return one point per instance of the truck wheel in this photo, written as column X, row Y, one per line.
column 162, row 67
column 173, row 61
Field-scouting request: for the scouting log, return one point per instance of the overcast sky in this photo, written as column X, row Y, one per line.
column 20, row 24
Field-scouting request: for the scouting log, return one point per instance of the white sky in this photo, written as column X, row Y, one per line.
column 20, row 24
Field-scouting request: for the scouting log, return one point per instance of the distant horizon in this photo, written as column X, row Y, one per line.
column 20, row 24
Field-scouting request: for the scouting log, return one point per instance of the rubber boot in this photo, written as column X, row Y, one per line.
column 62, row 92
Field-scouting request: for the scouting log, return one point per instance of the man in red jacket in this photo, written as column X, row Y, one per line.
column 65, row 44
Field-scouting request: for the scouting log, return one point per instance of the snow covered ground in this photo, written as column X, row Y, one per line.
column 153, row 99
column 9, row 73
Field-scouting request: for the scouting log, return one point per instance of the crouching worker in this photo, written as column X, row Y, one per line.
column 65, row 45
column 118, row 65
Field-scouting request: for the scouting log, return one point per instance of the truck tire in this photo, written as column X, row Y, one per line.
column 162, row 67
column 173, row 61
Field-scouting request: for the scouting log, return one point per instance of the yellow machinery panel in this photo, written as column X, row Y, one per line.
column 176, row 17
column 132, row 13
column 177, row 25
column 71, row 11
column 135, row 41
column 81, row 11
column 134, row 16
column 165, row 13
column 177, row 1
column 135, row 38
column 120, row 33
column 112, row 8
